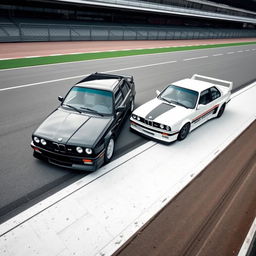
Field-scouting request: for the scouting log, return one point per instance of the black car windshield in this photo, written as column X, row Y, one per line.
column 180, row 96
column 89, row 100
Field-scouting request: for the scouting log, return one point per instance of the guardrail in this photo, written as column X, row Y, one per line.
column 60, row 32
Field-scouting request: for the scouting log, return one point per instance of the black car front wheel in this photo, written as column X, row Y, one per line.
column 109, row 150
column 184, row 131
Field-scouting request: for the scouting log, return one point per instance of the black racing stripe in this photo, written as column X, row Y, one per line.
column 159, row 110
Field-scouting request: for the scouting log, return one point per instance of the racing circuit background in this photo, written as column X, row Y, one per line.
column 24, row 181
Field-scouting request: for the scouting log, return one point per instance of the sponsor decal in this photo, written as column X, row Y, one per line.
column 212, row 110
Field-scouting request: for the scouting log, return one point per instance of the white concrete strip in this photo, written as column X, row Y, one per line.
column 5, row 58
column 248, row 240
column 102, row 210
column 56, row 54
column 29, row 57
column 84, row 75
column 218, row 54
column 196, row 58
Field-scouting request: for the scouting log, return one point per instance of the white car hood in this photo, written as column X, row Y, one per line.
column 162, row 112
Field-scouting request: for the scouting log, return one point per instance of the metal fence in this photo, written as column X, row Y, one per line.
column 60, row 32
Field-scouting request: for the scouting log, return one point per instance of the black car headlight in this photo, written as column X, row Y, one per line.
column 88, row 151
column 43, row 142
column 36, row 140
column 79, row 150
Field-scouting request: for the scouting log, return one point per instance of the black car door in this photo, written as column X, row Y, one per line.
column 119, row 101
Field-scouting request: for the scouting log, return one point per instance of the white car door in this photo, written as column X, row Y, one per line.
column 204, row 109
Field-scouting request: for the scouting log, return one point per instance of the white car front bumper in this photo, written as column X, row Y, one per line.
column 162, row 136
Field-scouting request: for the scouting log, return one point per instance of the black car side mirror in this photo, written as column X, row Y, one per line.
column 60, row 98
column 120, row 109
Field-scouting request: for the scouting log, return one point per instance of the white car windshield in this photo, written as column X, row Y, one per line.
column 179, row 96
column 88, row 99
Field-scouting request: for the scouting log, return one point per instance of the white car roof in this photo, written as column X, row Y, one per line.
column 192, row 84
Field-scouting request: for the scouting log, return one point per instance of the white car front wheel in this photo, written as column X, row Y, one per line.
column 184, row 131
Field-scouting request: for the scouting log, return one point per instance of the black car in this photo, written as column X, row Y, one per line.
column 80, row 133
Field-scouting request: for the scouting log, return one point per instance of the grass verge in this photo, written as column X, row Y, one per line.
column 26, row 62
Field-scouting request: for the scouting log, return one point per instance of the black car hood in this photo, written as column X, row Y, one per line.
column 73, row 128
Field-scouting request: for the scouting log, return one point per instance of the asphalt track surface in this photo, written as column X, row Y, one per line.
column 28, row 95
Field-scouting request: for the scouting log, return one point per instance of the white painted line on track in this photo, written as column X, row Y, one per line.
column 248, row 240
column 240, row 51
column 230, row 53
column 74, row 77
column 196, row 58
column 218, row 54
column 247, row 50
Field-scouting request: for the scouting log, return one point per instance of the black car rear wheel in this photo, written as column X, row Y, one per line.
column 184, row 132
column 109, row 150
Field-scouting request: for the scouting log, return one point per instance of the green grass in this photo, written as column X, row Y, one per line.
column 25, row 62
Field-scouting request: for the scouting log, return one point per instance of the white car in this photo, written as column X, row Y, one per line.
column 181, row 107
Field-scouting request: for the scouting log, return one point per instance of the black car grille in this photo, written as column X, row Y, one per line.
column 62, row 159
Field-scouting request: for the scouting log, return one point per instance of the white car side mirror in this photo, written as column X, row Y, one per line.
column 199, row 106
column 157, row 92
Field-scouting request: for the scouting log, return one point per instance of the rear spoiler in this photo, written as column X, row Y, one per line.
column 129, row 78
column 213, row 80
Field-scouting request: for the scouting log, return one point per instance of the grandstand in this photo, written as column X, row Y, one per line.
column 73, row 20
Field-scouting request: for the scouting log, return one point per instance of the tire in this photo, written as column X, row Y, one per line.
column 184, row 131
column 109, row 152
column 221, row 111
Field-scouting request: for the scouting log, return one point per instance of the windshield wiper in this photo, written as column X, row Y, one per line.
column 178, row 103
column 165, row 100
column 92, row 110
column 70, row 106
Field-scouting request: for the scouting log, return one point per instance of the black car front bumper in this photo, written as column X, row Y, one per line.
column 68, row 161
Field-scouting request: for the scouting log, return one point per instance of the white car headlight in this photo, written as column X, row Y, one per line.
column 79, row 150
column 168, row 128
column 88, row 151
column 43, row 142
column 36, row 139
column 161, row 126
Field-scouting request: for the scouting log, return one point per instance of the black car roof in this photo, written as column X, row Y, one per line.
column 101, row 81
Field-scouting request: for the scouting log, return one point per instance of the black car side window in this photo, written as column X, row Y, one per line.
column 124, row 88
column 205, row 97
column 215, row 93
column 118, row 98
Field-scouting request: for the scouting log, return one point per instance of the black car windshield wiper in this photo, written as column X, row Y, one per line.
column 70, row 106
column 92, row 110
